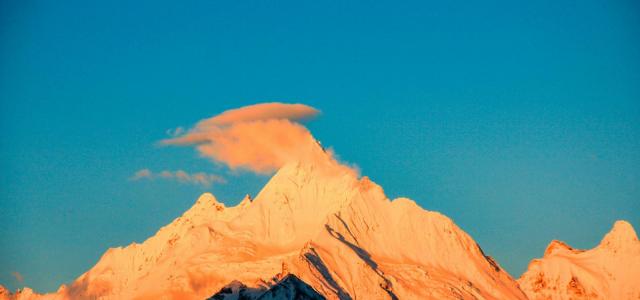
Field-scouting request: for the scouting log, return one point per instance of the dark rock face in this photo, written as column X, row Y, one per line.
column 236, row 290
column 289, row 288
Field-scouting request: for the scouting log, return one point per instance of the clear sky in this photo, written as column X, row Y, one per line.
column 519, row 120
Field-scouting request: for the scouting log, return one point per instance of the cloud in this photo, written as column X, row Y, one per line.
column 173, row 132
column 261, row 112
column 200, row 178
column 18, row 277
column 140, row 174
column 260, row 138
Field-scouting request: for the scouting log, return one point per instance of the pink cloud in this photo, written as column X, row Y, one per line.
column 260, row 137
column 262, row 111
column 140, row 174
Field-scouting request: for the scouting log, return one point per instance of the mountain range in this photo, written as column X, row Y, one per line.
column 317, row 230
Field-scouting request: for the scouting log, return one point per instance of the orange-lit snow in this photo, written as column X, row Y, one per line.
column 342, row 236
column 609, row 271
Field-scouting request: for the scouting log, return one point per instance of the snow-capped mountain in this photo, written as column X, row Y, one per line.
column 315, row 228
column 609, row 271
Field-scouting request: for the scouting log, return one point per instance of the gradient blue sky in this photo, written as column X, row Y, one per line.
column 519, row 120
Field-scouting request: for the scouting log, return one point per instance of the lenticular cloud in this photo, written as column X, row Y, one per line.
column 261, row 112
column 260, row 138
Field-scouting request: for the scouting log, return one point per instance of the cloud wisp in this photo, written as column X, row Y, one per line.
column 199, row 178
column 18, row 277
column 260, row 138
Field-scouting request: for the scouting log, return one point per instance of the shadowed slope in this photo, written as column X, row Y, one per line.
column 289, row 287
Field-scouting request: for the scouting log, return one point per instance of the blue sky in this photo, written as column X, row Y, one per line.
column 521, row 121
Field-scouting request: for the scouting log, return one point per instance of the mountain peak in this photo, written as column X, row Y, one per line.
column 245, row 201
column 621, row 235
column 557, row 246
column 319, row 160
column 608, row 271
column 205, row 205
column 208, row 199
column 207, row 208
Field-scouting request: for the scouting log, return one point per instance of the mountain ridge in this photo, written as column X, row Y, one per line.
column 316, row 218
column 608, row 271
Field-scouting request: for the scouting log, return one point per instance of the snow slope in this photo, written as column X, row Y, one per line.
column 609, row 271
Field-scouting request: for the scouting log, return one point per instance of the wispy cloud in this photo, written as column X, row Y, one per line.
column 18, row 277
column 199, row 178
column 140, row 174
column 173, row 132
column 260, row 138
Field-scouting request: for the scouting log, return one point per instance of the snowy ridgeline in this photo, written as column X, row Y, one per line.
column 343, row 239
